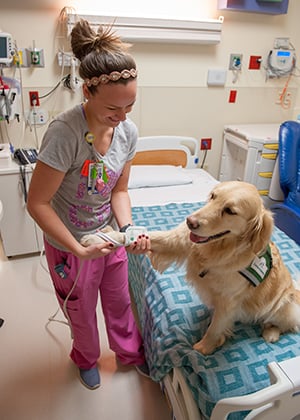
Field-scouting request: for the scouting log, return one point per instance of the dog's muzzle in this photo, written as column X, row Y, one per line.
column 203, row 239
column 193, row 224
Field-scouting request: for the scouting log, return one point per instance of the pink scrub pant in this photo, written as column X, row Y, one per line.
column 109, row 277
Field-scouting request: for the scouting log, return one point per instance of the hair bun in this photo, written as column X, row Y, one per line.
column 84, row 40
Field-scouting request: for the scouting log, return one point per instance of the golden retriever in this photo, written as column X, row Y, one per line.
column 218, row 243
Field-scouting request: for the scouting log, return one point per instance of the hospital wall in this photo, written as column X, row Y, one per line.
column 173, row 96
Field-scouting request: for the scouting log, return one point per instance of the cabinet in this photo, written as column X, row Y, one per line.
column 273, row 7
column 249, row 154
column 20, row 234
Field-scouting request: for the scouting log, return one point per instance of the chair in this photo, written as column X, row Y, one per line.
column 287, row 213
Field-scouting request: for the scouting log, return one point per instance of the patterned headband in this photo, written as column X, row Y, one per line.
column 114, row 76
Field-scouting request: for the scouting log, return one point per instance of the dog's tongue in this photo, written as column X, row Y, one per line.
column 196, row 238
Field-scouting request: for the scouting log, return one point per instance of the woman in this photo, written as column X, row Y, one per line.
column 79, row 186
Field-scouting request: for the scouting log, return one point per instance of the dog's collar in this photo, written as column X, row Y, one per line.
column 259, row 269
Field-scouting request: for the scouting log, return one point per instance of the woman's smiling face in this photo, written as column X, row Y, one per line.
column 112, row 101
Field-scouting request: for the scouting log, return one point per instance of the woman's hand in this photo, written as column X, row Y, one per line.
column 141, row 246
column 95, row 251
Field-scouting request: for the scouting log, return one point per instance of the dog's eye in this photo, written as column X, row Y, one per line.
column 228, row 210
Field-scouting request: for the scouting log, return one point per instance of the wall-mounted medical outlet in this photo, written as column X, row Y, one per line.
column 20, row 58
column 35, row 57
column 235, row 61
column 205, row 144
column 34, row 98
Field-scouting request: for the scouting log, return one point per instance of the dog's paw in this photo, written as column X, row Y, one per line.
column 207, row 347
column 105, row 235
column 91, row 239
column 271, row 333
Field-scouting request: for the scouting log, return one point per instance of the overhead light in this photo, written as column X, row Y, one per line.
column 135, row 29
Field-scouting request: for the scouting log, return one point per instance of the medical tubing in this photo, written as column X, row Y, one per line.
column 64, row 308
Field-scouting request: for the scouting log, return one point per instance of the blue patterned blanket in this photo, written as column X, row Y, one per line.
column 173, row 318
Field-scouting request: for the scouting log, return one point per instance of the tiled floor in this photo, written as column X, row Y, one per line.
column 38, row 381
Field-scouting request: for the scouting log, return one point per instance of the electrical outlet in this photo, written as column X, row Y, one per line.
column 205, row 144
column 34, row 98
column 235, row 61
column 254, row 62
column 37, row 116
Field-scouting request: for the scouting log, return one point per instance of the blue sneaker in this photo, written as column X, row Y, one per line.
column 90, row 378
column 143, row 370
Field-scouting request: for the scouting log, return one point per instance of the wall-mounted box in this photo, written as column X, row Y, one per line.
column 272, row 7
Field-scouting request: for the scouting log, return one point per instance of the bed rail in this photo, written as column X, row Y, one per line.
column 281, row 400
column 180, row 397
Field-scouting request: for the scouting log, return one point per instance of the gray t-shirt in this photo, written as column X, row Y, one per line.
column 83, row 199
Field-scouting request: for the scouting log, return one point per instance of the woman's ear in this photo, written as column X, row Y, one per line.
column 86, row 91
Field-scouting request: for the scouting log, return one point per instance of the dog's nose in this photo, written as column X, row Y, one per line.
column 192, row 222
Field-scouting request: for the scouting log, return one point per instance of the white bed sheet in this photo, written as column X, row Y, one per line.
column 197, row 191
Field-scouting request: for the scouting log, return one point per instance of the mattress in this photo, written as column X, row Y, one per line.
column 173, row 318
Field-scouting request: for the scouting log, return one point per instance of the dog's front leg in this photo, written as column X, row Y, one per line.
column 169, row 246
column 215, row 336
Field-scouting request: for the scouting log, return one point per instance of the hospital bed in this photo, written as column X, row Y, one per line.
column 245, row 378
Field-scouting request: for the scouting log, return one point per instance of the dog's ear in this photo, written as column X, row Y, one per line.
column 262, row 230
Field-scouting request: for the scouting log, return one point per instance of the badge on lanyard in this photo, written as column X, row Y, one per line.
column 95, row 175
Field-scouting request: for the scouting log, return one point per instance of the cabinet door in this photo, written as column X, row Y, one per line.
column 20, row 234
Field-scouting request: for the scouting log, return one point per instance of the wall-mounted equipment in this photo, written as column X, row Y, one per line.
column 8, row 104
column 235, row 61
column 216, row 77
column 9, row 99
column 235, row 65
column 255, row 62
column 272, row 7
column 281, row 60
column 35, row 56
column 280, row 63
column 138, row 29
column 7, row 49
column 66, row 59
